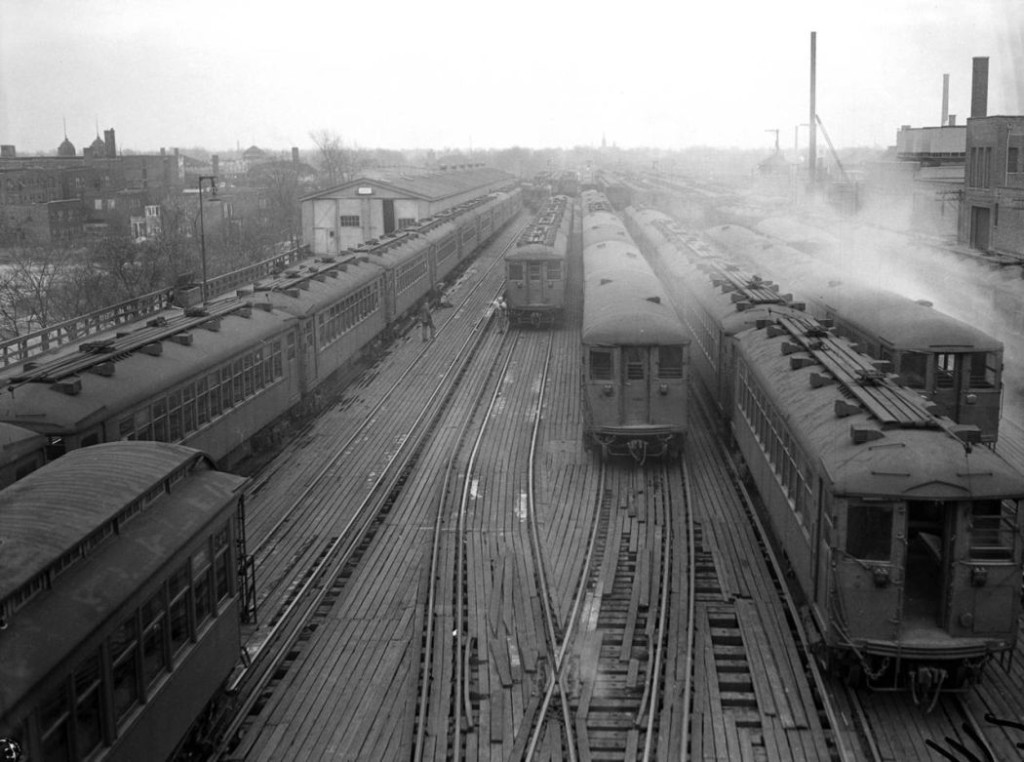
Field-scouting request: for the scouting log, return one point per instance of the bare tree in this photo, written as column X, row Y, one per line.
column 335, row 159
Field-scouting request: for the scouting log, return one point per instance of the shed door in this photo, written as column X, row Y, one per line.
column 979, row 227
column 389, row 215
column 636, row 373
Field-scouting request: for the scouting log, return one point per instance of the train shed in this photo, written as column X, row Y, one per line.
column 371, row 206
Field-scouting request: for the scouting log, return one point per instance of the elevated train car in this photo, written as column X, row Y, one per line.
column 953, row 364
column 903, row 537
column 122, row 596
column 21, row 452
column 214, row 377
column 635, row 351
column 535, row 268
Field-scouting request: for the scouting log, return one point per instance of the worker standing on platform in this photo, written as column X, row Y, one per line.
column 426, row 321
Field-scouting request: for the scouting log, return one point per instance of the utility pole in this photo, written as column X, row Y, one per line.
column 776, row 139
column 812, row 148
column 202, row 223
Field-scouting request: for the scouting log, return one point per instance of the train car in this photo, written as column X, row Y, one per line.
column 214, row 377
column 714, row 301
column 901, row 534
column 635, row 352
column 22, row 451
column 568, row 183
column 535, row 268
column 955, row 365
column 121, row 598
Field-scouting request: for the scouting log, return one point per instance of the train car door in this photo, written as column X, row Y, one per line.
column 636, row 397
column 535, row 292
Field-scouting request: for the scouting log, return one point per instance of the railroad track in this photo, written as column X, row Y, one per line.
column 303, row 599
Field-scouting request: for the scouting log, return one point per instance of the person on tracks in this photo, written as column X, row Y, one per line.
column 501, row 310
column 427, row 321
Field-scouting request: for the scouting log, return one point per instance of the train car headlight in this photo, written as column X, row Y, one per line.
column 970, row 399
column 663, row 389
column 979, row 576
column 880, row 575
column 609, row 390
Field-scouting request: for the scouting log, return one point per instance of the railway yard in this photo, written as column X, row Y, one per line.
column 445, row 570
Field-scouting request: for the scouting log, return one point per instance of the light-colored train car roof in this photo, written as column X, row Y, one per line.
column 902, row 322
column 901, row 463
column 48, row 512
column 53, row 508
column 138, row 376
column 630, row 310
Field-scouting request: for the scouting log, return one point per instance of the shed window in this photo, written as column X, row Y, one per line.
column 869, row 531
column 348, row 221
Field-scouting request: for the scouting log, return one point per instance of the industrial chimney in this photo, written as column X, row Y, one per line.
column 945, row 100
column 979, row 88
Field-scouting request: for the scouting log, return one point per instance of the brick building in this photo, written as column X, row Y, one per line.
column 68, row 196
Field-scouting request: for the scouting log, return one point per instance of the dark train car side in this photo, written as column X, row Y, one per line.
column 121, row 599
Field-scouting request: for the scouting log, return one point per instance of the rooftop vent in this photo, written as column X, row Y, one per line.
column 861, row 434
column 71, row 385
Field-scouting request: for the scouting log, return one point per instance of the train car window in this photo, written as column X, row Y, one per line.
column 670, row 362
column 222, row 564
column 982, row 370
column 600, row 365
column 515, row 270
column 54, row 719
column 945, row 371
column 869, row 531
column 178, row 588
column 554, row 270
column 992, row 530
column 88, row 706
column 534, row 270
column 124, row 650
column 635, row 361
column 154, row 649
column 913, row 369
column 201, row 596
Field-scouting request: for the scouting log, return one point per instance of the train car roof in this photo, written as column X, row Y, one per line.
column 138, row 376
column 307, row 291
column 16, row 440
column 902, row 322
column 893, row 318
column 860, row 454
column 49, row 513
column 547, row 237
column 629, row 310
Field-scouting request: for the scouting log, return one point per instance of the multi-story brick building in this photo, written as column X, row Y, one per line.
column 95, row 193
column 992, row 212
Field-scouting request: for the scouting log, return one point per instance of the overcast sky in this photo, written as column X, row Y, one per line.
column 464, row 73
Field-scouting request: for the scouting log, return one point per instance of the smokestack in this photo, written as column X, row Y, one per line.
column 108, row 139
column 979, row 88
column 945, row 100
column 812, row 132
column 295, row 155
column 952, row 120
